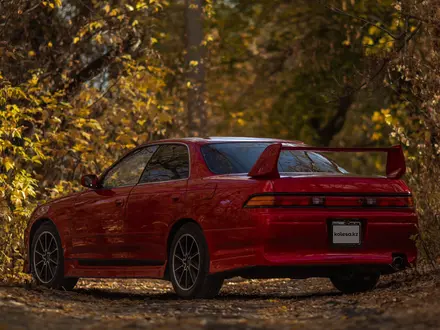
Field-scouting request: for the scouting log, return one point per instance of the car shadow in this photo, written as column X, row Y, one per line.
column 170, row 296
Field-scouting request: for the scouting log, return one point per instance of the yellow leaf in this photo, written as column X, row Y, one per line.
column 31, row 53
column 50, row 45
column 130, row 8
column 368, row 41
column 385, row 112
column 34, row 80
column 377, row 117
column 373, row 30
column 9, row 165
column 98, row 39
column 193, row 63
column 141, row 5
column 240, row 122
column 51, row 5
column 75, row 40
column 107, row 8
column 153, row 41
column 376, row 136
column 58, row 3
column 388, row 119
column 87, row 136
column 135, row 22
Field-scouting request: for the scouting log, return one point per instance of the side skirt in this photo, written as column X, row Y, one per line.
column 114, row 268
column 118, row 262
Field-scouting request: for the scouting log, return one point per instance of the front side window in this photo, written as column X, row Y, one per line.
column 170, row 162
column 128, row 171
column 239, row 157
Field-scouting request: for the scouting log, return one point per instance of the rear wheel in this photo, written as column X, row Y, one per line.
column 47, row 259
column 353, row 282
column 189, row 265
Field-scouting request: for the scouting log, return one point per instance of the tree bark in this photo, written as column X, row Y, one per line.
column 195, row 74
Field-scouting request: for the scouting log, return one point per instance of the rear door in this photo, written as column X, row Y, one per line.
column 99, row 228
column 158, row 200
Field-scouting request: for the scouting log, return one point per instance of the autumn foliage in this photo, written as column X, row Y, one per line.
column 79, row 86
column 81, row 82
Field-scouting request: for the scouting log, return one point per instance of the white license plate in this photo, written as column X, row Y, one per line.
column 346, row 232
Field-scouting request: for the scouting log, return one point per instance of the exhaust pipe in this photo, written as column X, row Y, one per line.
column 398, row 263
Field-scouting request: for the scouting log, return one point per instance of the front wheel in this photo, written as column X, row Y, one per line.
column 47, row 259
column 352, row 283
column 189, row 265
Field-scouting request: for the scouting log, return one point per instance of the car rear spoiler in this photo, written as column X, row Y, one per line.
column 267, row 165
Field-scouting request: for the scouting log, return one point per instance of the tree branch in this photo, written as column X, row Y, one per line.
column 340, row 11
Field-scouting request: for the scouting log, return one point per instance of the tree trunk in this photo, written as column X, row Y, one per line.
column 195, row 106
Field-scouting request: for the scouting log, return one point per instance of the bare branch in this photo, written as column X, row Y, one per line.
column 340, row 11
column 386, row 60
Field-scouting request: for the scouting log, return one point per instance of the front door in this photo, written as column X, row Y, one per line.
column 99, row 228
column 158, row 201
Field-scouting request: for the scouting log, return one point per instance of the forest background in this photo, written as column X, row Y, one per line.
column 83, row 81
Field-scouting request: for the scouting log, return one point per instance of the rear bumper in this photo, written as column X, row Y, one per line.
column 302, row 237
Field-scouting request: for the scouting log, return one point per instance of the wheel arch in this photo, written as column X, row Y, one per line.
column 37, row 224
column 172, row 232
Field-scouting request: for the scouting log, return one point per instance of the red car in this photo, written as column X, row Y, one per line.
column 196, row 211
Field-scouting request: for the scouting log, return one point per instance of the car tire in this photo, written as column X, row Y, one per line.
column 188, row 263
column 47, row 259
column 353, row 283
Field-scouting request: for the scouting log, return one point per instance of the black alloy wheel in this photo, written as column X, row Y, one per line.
column 188, row 263
column 47, row 259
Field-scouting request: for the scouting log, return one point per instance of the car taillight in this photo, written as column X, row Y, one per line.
column 284, row 200
column 395, row 202
column 262, row 201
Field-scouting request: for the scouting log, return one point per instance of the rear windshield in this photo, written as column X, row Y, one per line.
column 239, row 157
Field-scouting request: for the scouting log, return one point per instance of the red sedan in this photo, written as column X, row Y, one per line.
column 196, row 211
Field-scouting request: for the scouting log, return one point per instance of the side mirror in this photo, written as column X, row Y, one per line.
column 90, row 181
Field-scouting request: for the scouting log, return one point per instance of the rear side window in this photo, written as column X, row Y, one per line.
column 239, row 157
column 170, row 162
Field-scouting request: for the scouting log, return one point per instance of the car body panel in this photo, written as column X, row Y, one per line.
column 348, row 184
column 98, row 225
column 92, row 226
column 151, row 211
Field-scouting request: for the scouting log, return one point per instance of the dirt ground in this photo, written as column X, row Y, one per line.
column 407, row 300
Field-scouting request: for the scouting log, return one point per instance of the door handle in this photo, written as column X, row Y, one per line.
column 119, row 202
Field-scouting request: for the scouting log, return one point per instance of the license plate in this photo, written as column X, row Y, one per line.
column 348, row 233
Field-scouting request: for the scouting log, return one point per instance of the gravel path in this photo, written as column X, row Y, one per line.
column 404, row 301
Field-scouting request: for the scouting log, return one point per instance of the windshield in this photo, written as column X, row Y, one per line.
column 239, row 157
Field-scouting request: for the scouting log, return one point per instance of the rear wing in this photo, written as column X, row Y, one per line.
column 267, row 165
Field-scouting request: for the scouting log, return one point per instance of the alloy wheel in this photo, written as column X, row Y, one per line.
column 45, row 257
column 186, row 262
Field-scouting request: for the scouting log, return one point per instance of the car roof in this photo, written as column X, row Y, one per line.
column 222, row 139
